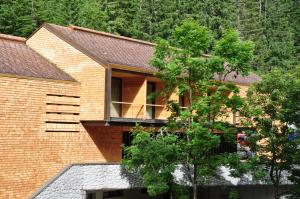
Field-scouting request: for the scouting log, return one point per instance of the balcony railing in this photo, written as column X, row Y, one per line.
column 160, row 111
column 139, row 111
column 127, row 110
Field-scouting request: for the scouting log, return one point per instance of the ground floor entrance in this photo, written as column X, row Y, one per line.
column 211, row 192
column 122, row 194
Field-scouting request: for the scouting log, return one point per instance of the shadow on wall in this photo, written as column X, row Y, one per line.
column 132, row 92
column 108, row 140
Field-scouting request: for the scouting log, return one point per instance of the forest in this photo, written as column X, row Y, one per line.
column 273, row 25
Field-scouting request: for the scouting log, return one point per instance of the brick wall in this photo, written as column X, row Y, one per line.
column 29, row 154
column 89, row 73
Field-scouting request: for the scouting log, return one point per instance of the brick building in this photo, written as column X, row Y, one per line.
column 68, row 97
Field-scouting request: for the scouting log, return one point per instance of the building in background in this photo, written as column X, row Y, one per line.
column 68, row 98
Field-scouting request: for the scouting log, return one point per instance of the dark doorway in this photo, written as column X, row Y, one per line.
column 150, row 112
column 127, row 140
column 116, row 97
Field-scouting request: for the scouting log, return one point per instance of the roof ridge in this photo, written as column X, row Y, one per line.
column 111, row 35
column 12, row 37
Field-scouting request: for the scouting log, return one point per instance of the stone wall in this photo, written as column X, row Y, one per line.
column 76, row 180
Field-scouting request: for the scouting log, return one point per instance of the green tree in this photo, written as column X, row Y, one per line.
column 17, row 17
column 295, row 23
column 273, row 110
column 191, row 131
column 156, row 172
column 272, row 26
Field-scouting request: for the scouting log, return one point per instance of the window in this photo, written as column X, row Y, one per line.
column 225, row 146
column 116, row 97
column 127, row 139
column 181, row 100
column 113, row 194
column 91, row 195
column 150, row 113
column 144, row 191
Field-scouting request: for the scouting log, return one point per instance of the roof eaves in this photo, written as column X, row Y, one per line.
column 102, row 62
column 131, row 68
column 12, row 38
column 11, row 75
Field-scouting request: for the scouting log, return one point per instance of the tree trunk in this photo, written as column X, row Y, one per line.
column 171, row 191
column 195, row 193
column 276, row 192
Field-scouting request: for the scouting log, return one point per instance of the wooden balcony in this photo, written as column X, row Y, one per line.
column 127, row 110
column 130, row 101
column 133, row 112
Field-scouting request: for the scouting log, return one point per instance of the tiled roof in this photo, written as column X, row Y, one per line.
column 16, row 58
column 124, row 51
column 108, row 47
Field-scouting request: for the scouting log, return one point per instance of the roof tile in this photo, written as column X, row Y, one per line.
column 120, row 50
column 16, row 58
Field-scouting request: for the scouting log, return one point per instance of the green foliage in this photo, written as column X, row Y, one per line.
column 192, row 37
column 294, row 20
column 233, row 194
column 192, row 130
column 236, row 53
column 180, row 192
column 156, row 172
column 273, row 26
column 17, row 17
column 273, row 110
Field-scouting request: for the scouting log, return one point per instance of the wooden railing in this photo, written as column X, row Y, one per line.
column 160, row 111
column 139, row 111
column 127, row 110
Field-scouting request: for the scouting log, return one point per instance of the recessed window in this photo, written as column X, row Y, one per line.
column 116, row 97
column 91, row 195
column 127, row 139
column 113, row 194
column 150, row 114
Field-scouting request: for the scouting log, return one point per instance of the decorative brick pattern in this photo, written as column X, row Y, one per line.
column 29, row 155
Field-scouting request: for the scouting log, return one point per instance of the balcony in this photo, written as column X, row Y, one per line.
column 130, row 101
column 134, row 112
